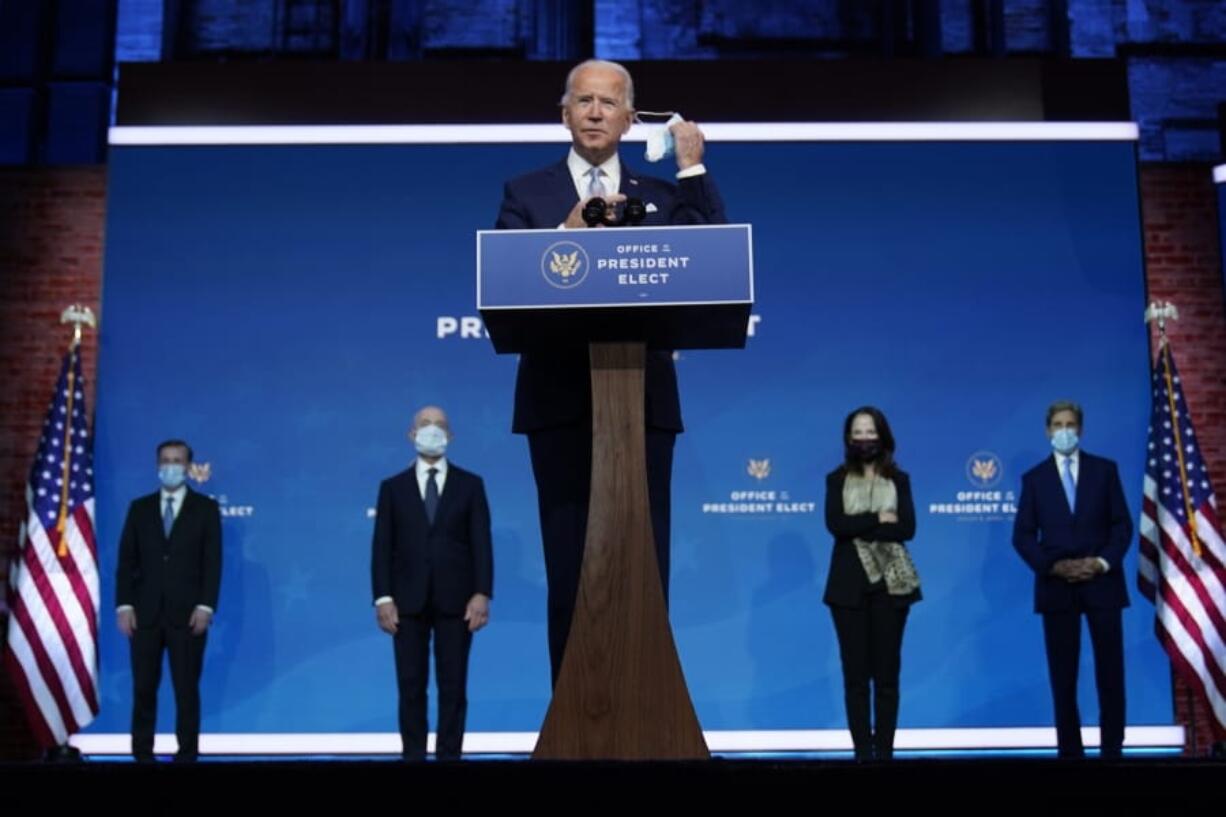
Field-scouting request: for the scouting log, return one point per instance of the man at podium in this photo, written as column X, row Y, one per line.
column 553, row 389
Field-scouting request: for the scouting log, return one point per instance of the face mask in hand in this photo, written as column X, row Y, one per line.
column 660, row 144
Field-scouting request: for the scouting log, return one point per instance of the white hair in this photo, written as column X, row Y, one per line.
column 615, row 66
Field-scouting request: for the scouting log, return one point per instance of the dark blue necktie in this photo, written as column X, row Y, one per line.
column 431, row 495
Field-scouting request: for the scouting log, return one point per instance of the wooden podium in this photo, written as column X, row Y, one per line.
column 621, row 693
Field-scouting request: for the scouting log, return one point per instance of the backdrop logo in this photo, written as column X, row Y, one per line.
column 759, row 469
column 202, row 472
column 564, row 264
column 751, row 499
column 985, row 502
column 984, row 469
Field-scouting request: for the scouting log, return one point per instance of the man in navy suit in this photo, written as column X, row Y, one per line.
column 1073, row 528
column 432, row 571
column 166, row 584
column 553, row 389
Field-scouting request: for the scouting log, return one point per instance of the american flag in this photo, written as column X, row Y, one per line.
column 52, row 648
column 1183, row 558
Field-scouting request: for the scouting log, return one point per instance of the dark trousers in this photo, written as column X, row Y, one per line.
column 186, row 652
column 562, row 466
column 1062, row 636
column 452, row 642
column 870, row 648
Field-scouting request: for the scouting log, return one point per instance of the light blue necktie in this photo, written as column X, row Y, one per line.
column 168, row 516
column 1070, row 487
column 596, row 186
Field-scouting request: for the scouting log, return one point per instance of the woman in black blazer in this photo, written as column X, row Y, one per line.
column 872, row 582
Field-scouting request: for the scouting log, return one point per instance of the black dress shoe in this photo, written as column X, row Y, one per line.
column 184, row 757
column 62, row 754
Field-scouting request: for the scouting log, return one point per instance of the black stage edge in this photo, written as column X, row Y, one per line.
column 492, row 91
column 947, row 786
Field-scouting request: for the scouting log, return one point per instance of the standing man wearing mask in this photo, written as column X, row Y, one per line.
column 1073, row 528
column 432, row 572
column 167, row 581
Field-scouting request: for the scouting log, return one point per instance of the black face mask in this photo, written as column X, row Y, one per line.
column 864, row 450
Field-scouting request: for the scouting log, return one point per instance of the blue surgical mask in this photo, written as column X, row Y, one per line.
column 660, row 144
column 171, row 476
column 430, row 440
column 1064, row 441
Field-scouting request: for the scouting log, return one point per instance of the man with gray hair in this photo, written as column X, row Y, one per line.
column 1072, row 528
column 553, row 389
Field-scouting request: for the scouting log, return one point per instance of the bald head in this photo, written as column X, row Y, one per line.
column 431, row 415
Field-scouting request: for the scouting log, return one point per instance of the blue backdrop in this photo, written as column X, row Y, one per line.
column 286, row 309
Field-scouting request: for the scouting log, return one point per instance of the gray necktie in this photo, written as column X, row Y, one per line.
column 596, row 185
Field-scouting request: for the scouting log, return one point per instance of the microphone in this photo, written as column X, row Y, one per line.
column 593, row 212
column 633, row 212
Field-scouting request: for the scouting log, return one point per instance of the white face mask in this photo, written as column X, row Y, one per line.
column 660, row 142
column 430, row 440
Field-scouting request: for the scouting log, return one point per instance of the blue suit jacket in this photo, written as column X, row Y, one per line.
column 1045, row 531
column 554, row 389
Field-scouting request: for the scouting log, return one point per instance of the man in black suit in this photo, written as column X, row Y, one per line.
column 553, row 389
column 1072, row 529
column 166, row 588
column 432, row 571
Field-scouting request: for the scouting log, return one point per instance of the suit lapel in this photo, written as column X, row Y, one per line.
column 629, row 181
column 416, row 502
column 563, row 184
column 155, row 513
column 1051, row 474
column 445, row 499
column 1084, row 470
column 185, row 513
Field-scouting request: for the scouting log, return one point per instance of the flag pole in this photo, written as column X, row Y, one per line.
column 76, row 315
column 1161, row 312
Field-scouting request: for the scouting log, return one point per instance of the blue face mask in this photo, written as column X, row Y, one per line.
column 1064, row 441
column 430, row 441
column 660, row 144
column 172, row 476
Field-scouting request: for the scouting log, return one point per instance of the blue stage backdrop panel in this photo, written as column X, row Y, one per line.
column 286, row 308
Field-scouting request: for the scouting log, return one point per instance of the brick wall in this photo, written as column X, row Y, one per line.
column 50, row 256
column 1179, row 209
